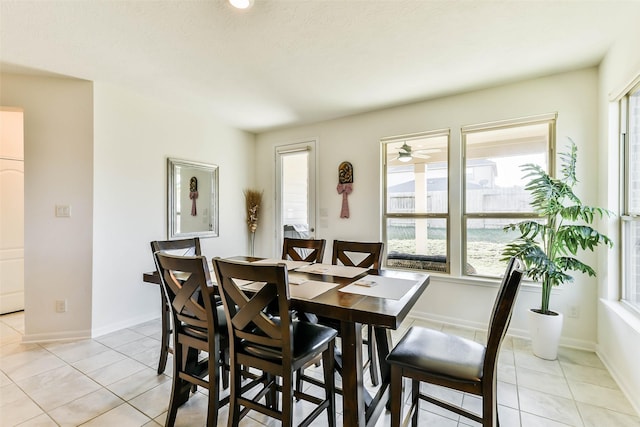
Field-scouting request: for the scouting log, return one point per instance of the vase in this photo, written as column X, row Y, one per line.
column 252, row 242
column 545, row 332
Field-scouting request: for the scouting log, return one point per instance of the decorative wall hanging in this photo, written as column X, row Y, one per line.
column 345, row 186
column 193, row 194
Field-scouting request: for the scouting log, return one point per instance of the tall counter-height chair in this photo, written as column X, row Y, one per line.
column 366, row 255
column 199, row 325
column 277, row 346
column 435, row 357
column 184, row 247
column 311, row 250
column 354, row 254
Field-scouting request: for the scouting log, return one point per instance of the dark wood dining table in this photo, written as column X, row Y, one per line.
column 353, row 311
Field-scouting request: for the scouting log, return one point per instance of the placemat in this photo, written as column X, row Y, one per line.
column 380, row 286
column 333, row 270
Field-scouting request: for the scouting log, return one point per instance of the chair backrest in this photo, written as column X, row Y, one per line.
column 311, row 250
column 502, row 310
column 186, row 282
column 370, row 252
column 183, row 247
column 249, row 324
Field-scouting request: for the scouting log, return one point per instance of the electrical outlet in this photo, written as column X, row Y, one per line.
column 63, row 211
column 574, row 311
column 61, row 306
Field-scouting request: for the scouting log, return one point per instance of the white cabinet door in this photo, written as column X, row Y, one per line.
column 11, row 235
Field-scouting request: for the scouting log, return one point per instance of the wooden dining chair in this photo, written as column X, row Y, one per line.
column 357, row 254
column 275, row 345
column 366, row 255
column 431, row 356
column 199, row 326
column 185, row 247
column 353, row 254
column 311, row 250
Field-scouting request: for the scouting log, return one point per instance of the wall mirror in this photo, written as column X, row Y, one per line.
column 192, row 199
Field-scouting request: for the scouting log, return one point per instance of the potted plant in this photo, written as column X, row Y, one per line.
column 548, row 247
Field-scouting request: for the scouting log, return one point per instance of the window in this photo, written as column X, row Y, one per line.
column 630, row 128
column 416, row 219
column 493, row 191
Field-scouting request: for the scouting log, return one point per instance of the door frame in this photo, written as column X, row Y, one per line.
column 309, row 145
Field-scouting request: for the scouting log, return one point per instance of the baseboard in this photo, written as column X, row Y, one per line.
column 621, row 380
column 114, row 327
column 56, row 336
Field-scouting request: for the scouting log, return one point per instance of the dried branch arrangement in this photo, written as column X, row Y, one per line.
column 253, row 201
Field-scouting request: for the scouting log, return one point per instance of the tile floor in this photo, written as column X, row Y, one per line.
column 111, row 380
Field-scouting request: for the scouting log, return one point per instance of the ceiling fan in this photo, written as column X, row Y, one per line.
column 406, row 153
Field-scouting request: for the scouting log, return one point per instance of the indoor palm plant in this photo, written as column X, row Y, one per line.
column 548, row 247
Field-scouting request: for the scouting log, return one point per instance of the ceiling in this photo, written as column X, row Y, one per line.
column 288, row 62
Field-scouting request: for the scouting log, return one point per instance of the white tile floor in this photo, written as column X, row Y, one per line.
column 111, row 380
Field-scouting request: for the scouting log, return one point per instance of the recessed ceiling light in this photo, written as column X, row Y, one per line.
column 241, row 4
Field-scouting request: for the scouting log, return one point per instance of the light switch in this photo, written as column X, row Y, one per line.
column 324, row 212
column 63, row 211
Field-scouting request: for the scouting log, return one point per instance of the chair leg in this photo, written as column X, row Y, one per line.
column 489, row 408
column 180, row 388
column 214, row 395
column 287, row 399
column 298, row 376
column 373, row 357
column 236, row 385
column 165, row 318
column 225, row 368
column 415, row 401
column 395, row 396
column 328, row 367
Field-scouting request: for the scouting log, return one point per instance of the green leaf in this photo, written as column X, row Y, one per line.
column 549, row 247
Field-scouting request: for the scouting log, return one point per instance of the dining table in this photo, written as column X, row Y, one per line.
column 353, row 297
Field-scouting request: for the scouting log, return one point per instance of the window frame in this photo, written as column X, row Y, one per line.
column 627, row 217
column 465, row 217
column 385, row 142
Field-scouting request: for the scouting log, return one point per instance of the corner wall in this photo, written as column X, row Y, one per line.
column 618, row 326
column 134, row 135
column 58, row 145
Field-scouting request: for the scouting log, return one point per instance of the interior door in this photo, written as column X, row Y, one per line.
column 295, row 191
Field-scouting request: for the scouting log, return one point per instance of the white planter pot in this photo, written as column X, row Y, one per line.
column 545, row 332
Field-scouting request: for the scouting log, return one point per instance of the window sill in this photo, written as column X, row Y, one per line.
column 526, row 286
column 621, row 310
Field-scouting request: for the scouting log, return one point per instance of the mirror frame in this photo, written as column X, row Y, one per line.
column 173, row 167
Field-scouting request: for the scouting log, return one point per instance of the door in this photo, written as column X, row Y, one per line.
column 295, row 191
column 11, row 211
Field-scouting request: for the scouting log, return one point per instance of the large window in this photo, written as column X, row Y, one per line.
column 630, row 126
column 432, row 197
column 494, row 185
column 416, row 218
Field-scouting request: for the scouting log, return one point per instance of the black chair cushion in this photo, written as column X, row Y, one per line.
column 307, row 338
column 438, row 353
column 202, row 334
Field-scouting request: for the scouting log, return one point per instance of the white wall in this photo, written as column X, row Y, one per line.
column 134, row 136
column 115, row 183
column 356, row 139
column 58, row 151
column 618, row 329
